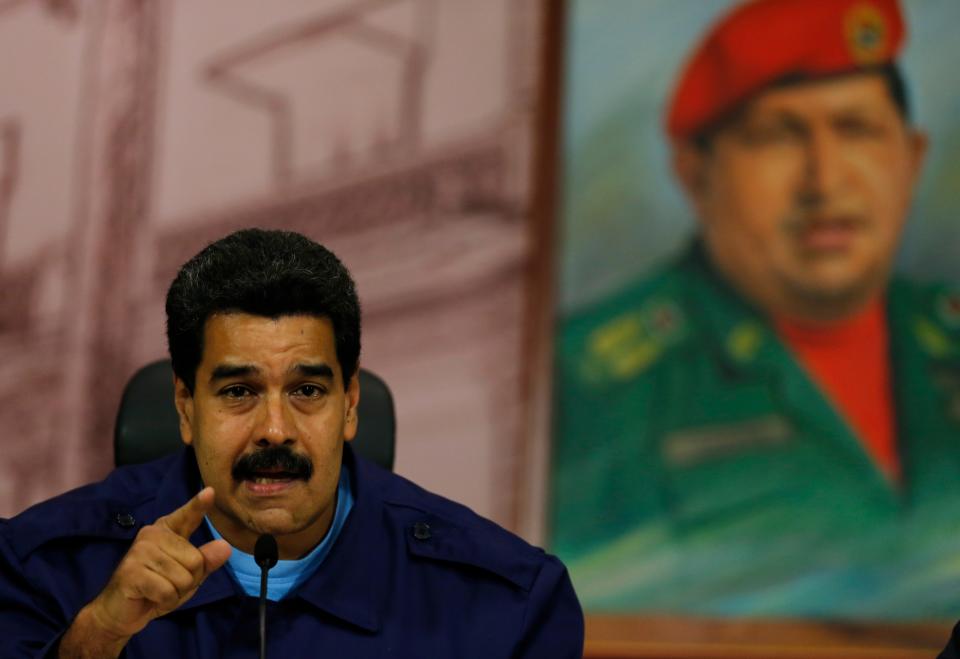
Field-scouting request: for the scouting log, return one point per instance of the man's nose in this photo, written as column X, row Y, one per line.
column 276, row 422
column 824, row 167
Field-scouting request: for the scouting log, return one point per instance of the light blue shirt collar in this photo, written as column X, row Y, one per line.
column 287, row 575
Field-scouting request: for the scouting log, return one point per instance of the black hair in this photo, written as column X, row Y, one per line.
column 890, row 72
column 265, row 273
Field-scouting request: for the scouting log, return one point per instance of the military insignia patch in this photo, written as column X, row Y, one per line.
column 931, row 338
column 687, row 448
column 628, row 344
column 948, row 309
column 621, row 330
column 664, row 319
column 867, row 33
column 744, row 341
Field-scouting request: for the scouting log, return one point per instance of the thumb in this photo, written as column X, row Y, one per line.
column 215, row 554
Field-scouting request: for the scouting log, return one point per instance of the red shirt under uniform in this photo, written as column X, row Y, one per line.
column 850, row 361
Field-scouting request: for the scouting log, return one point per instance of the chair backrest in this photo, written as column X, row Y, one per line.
column 148, row 427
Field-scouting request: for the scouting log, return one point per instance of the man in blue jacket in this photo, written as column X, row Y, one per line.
column 156, row 560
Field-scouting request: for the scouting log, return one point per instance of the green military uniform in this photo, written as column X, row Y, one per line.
column 698, row 469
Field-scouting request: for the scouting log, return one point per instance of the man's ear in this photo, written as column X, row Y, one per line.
column 183, row 399
column 919, row 144
column 351, row 401
column 690, row 163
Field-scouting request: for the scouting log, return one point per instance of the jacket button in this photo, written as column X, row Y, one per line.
column 421, row 531
column 125, row 520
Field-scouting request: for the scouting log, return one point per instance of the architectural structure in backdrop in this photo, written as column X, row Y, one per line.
column 398, row 132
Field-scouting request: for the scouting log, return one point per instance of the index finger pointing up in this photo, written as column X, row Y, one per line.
column 184, row 520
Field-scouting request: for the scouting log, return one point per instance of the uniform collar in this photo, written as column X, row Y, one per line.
column 350, row 583
column 739, row 335
column 749, row 350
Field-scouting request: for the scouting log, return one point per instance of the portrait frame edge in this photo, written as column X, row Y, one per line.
column 643, row 635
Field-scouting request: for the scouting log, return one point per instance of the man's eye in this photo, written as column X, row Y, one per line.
column 235, row 392
column 309, row 391
column 858, row 127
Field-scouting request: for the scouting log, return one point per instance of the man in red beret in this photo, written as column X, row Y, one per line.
column 771, row 424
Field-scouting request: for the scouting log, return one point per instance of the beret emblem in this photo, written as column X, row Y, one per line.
column 867, row 34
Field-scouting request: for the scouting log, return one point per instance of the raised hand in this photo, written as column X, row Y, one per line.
column 160, row 571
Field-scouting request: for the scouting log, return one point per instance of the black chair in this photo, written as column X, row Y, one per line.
column 148, row 427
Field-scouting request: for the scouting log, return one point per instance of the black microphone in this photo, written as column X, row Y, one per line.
column 265, row 554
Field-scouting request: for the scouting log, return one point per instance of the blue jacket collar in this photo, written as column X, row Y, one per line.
column 349, row 585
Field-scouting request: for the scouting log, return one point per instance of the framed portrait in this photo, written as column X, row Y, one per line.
column 710, row 495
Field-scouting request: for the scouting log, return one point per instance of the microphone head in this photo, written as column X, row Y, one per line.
column 265, row 552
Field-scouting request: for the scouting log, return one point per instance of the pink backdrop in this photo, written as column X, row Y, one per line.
column 400, row 133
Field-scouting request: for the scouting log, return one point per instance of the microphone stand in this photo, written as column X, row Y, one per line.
column 265, row 554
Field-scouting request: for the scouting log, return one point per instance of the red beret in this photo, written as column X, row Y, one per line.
column 764, row 40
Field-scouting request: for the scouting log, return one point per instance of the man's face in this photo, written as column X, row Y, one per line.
column 803, row 198
column 269, row 386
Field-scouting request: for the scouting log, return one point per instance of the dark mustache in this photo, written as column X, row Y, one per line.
column 274, row 458
column 806, row 216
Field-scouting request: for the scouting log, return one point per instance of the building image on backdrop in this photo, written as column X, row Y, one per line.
column 400, row 133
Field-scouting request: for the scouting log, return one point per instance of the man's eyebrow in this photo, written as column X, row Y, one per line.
column 320, row 370
column 860, row 109
column 224, row 371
